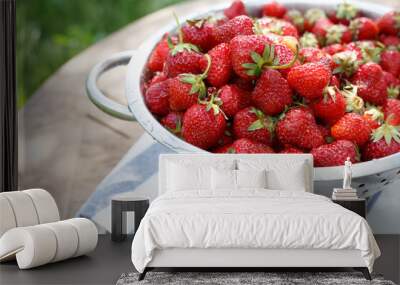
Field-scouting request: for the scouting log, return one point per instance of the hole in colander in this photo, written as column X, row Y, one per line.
column 378, row 174
column 361, row 185
column 365, row 191
column 386, row 183
column 398, row 172
column 383, row 180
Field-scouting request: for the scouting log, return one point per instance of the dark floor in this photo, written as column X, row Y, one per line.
column 103, row 266
column 110, row 260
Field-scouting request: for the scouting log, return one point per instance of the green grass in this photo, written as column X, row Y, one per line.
column 49, row 32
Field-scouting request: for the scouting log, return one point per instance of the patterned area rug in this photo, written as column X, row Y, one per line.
column 244, row 278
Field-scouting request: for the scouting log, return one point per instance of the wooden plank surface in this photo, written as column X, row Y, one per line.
column 66, row 144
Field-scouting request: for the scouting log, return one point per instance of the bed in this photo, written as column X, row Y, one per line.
column 245, row 211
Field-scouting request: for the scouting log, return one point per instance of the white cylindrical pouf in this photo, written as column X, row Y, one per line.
column 33, row 246
column 45, row 205
column 40, row 244
column 67, row 240
column 23, row 208
column 87, row 234
column 7, row 218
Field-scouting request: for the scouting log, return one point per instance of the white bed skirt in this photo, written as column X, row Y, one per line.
column 235, row 257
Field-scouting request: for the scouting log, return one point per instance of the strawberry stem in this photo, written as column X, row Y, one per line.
column 180, row 35
column 181, row 46
column 267, row 60
column 205, row 73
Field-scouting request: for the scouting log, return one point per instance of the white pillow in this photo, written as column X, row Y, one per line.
column 230, row 180
column 251, row 179
column 223, row 179
column 182, row 178
column 282, row 174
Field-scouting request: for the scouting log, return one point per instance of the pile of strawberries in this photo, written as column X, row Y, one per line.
column 285, row 82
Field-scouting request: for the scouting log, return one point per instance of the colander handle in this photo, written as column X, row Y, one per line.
column 104, row 103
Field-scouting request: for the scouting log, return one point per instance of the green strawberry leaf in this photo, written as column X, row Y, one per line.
column 249, row 65
column 256, row 57
column 256, row 125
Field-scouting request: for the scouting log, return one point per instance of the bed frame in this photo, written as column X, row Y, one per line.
column 238, row 259
column 249, row 259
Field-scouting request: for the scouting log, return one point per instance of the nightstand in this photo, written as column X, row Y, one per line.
column 120, row 205
column 358, row 206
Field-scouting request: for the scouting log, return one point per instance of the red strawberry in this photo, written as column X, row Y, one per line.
column 186, row 89
column 364, row 29
column 249, row 146
column 298, row 128
column 251, row 123
column 296, row 18
column 290, row 149
column 371, row 83
column 380, row 148
column 173, row 122
column 240, row 25
column 245, row 146
column 203, row 124
column 392, row 42
column 159, row 54
column 158, row 77
column 389, row 23
column 272, row 93
column 156, row 98
column 310, row 79
column 251, row 54
column 331, row 107
column 393, row 85
column 180, row 95
column 275, row 26
column 233, row 99
column 332, row 49
column 198, row 33
column 311, row 54
column 182, row 62
column 221, row 69
column 385, row 141
column 237, row 8
column 390, row 62
column 338, row 34
column 346, row 63
column 274, row 9
column 320, row 28
column 344, row 13
column 311, row 16
column 352, row 127
column 335, row 153
column 391, row 111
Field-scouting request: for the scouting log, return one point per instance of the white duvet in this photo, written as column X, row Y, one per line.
column 250, row 219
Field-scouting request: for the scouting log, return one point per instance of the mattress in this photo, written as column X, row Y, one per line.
column 251, row 219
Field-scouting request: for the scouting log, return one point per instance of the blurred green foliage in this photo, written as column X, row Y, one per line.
column 49, row 32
